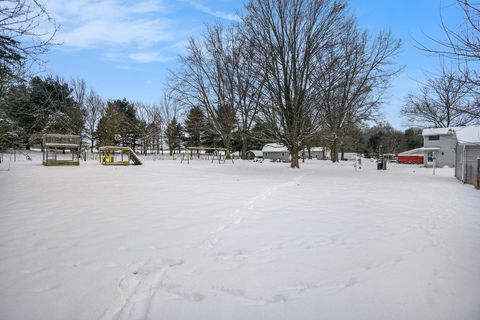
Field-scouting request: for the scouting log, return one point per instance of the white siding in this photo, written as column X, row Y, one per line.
column 446, row 154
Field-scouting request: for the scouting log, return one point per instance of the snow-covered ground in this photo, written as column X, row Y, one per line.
column 237, row 241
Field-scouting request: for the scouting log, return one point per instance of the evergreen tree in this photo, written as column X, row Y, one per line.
column 412, row 139
column 195, row 127
column 107, row 129
column 45, row 105
column 54, row 108
column 10, row 132
column 119, row 125
column 17, row 108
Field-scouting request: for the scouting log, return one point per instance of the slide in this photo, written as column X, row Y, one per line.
column 133, row 156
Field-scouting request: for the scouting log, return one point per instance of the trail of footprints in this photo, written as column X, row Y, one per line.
column 138, row 288
column 239, row 215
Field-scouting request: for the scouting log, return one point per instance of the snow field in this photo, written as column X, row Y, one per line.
column 246, row 241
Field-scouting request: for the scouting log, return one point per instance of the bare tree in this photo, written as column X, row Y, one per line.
column 287, row 36
column 149, row 126
column 462, row 42
column 26, row 32
column 207, row 79
column 143, row 114
column 170, row 114
column 79, row 91
column 443, row 101
column 248, row 86
column 351, row 80
column 95, row 108
column 462, row 46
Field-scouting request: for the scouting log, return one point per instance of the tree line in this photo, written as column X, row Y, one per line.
column 53, row 105
column 299, row 72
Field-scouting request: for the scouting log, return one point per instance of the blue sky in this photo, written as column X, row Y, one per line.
column 125, row 48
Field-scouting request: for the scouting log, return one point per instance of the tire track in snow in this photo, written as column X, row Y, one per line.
column 240, row 214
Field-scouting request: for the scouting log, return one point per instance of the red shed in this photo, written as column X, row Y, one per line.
column 411, row 157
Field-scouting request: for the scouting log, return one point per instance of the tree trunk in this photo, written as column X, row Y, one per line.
column 294, row 154
column 333, row 151
column 244, row 146
column 226, row 143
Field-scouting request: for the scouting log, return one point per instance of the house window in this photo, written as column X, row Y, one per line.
column 432, row 138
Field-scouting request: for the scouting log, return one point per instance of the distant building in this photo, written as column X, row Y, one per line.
column 468, row 155
column 318, row 153
column 276, row 152
column 348, row 156
column 255, row 155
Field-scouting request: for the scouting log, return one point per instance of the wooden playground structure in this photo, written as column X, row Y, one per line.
column 55, row 148
column 118, row 156
column 216, row 154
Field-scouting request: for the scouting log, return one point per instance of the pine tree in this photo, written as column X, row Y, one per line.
column 119, row 125
column 195, row 127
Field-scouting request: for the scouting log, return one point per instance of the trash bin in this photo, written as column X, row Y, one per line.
column 379, row 165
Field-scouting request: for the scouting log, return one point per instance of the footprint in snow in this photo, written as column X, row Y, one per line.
column 351, row 282
column 138, row 288
column 277, row 298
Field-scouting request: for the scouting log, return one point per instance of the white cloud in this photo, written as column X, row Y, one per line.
column 146, row 57
column 97, row 33
column 126, row 31
column 88, row 23
column 215, row 13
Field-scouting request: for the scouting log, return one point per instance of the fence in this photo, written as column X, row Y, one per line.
column 472, row 174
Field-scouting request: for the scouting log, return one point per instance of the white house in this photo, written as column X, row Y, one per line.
column 439, row 145
column 276, row 152
column 468, row 155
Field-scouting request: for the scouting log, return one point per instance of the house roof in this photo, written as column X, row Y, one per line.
column 468, row 135
column 439, row 131
column 418, row 151
column 274, row 147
